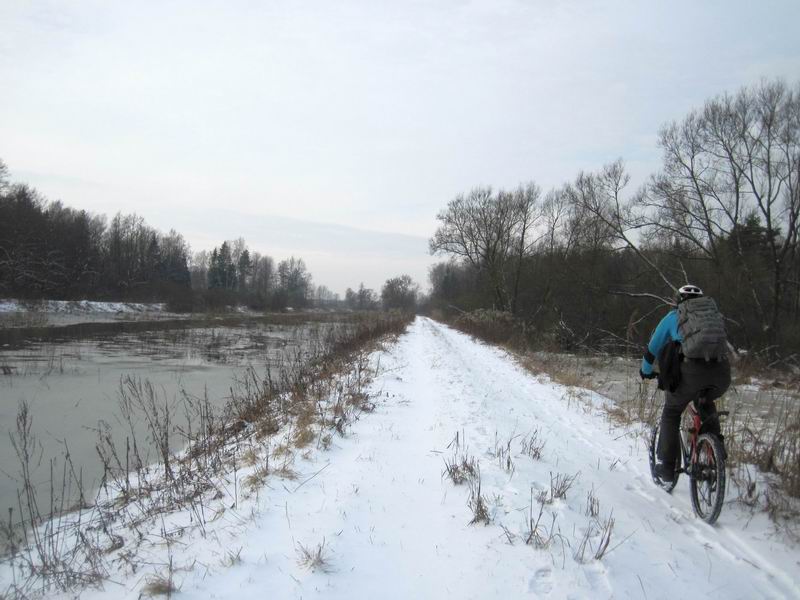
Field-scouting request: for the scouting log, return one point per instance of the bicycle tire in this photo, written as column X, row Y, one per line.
column 707, row 478
column 667, row 486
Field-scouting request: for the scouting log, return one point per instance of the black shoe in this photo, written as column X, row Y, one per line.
column 665, row 473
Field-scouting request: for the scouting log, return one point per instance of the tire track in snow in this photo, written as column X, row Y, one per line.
column 395, row 529
column 480, row 366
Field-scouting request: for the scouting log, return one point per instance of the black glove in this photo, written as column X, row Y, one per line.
column 652, row 375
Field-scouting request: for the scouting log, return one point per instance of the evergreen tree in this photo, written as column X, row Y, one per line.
column 214, row 272
column 244, row 268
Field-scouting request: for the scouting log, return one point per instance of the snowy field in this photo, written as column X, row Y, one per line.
column 78, row 306
column 387, row 524
column 42, row 313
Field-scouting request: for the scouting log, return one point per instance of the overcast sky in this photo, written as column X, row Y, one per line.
column 336, row 130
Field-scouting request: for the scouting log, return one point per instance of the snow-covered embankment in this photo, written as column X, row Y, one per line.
column 389, row 525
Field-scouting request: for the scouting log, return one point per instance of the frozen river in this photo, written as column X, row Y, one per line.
column 72, row 387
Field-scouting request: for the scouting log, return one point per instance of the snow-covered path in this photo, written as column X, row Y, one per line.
column 393, row 527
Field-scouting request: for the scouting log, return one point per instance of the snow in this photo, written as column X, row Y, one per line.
column 394, row 527
column 79, row 307
column 56, row 313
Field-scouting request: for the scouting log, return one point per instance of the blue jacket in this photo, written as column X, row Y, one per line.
column 666, row 332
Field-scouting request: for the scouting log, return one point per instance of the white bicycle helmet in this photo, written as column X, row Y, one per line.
column 689, row 291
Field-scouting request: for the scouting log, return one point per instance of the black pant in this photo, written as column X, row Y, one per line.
column 709, row 379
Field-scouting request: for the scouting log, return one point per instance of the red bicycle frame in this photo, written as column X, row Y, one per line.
column 690, row 453
column 696, row 424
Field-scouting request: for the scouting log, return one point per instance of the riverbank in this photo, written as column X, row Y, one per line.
column 559, row 502
column 282, row 404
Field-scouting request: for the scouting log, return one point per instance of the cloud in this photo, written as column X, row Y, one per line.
column 371, row 115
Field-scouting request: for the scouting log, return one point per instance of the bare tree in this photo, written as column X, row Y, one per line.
column 724, row 212
column 606, row 217
column 294, row 281
column 198, row 268
column 400, row 293
column 366, row 299
column 263, row 275
column 325, row 297
column 526, row 208
column 492, row 233
column 730, row 168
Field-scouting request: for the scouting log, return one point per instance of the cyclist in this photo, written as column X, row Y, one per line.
column 707, row 374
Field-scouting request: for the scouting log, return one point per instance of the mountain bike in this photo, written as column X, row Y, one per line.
column 703, row 460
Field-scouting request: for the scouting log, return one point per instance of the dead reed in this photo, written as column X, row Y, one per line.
column 315, row 558
column 52, row 545
column 762, row 436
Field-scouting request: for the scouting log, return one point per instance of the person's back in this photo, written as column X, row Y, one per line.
column 695, row 335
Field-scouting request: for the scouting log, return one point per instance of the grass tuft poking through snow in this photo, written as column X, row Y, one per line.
column 161, row 585
column 581, row 520
column 560, row 484
column 460, row 469
column 539, row 533
column 315, row 558
column 477, row 501
column 761, row 432
column 532, row 445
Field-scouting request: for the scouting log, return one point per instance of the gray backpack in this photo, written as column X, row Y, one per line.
column 702, row 328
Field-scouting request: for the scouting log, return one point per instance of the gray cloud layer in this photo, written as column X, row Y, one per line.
column 370, row 115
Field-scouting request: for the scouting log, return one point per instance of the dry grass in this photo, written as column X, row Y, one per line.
column 532, row 445
column 303, row 436
column 537, row 533
column 564, row 370
column 592, row 504
column 285, row 471
column 314, row 559
column 232, row 558
column 257, row 478
column 325, row 441
column 250, row 457
column 283, row 450
column 602, row 531
column 765, row 433
column 764, row 456
column 477, row 502
column 768, row 439
column 161, row 584
column 502, row 453
column 295, row 397
column 560, row 484
column 606, row 528
column 461, row 468
column 158, row 585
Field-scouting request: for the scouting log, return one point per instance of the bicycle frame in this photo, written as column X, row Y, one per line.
column 689, row 453
column 703, row 457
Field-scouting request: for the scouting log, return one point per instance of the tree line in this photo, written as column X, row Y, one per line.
column 51, row 251
column 233, row 274
column 594, row 263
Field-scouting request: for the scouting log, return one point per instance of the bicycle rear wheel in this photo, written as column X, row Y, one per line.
column 707, row 478
column 667, row 486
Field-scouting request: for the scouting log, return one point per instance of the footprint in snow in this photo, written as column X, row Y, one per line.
column 638, row 490
column 541, row 582
column 597, row 579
